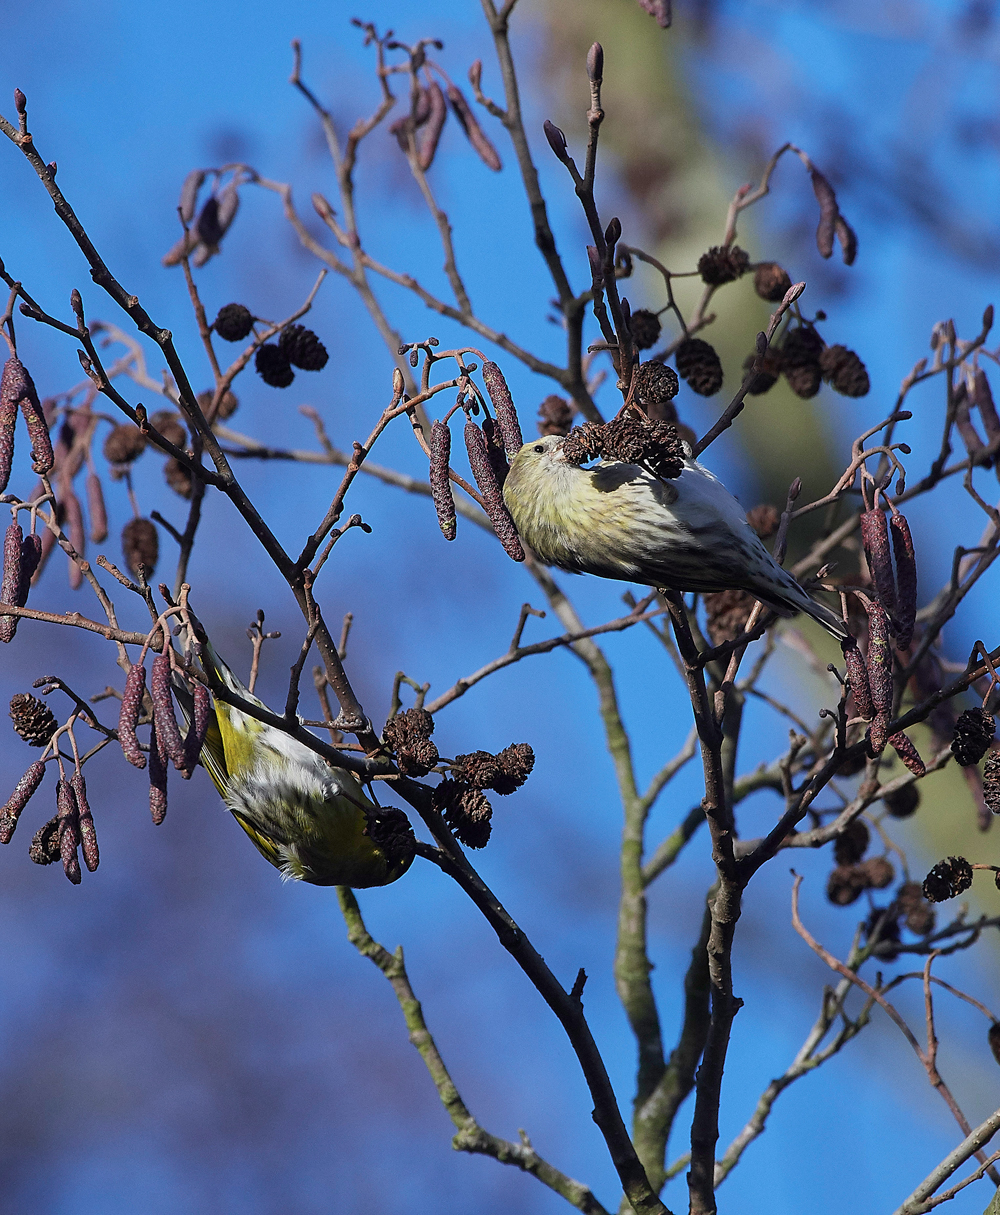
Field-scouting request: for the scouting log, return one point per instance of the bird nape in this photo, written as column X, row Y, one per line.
column 618, row 520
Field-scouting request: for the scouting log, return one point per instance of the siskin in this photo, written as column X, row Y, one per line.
column 311, row 820
column 618, row 520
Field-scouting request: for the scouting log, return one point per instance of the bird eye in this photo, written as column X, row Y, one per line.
column 539, row 448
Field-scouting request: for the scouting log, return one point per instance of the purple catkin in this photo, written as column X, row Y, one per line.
column 8, row 417
column 167, row 730
column 875, row 538
column 444, row 499
column 495, row 451
column 435, row 125
column 23, row 388
column 229, row 204
column 482, row 470
column 965, row 426
column 503, row 407
column 858, row 678
column 68, row 818
column 879, row 661
column 984, row 403
column 908, row 753
column 157, row 777
column 189, row 194
column 96, row 509
column 878, row 733
column 88, row 836
column 848, row 240
column 48, row 544
column 828, row 212
column 421, row 107
column 879, row 665
column 73, row 525
column 31, row 556
column 906, row 580
column 197, row 729
column 473, row 131
column 11, row 587
column 23, row 791
column 128, row 716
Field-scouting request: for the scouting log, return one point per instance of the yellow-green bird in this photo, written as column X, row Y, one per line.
column 618, row 520
column 311, row 820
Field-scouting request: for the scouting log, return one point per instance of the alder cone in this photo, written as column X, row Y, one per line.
column 723, row 264
column 227, row 406
column 140, row 545
column 764, row 519
column 804, row 379
column 727, row 613
column 902, row 802
column 771, row 282
column 844, row 371
column 698, row 364
column 993, row 1038
column 974, row 732
column 273, row 366
column 767, row 373
column 645, row 327
column 169, row 425
column 124, row 444
column 878, row 872
column 852, row 843
column 655, row 383
column 802, row 345
column 233, row 323
column 302, row 348
column 555, row 416
column 33, row 719
column 178, row 477
column 845, row 884
column 947, row 879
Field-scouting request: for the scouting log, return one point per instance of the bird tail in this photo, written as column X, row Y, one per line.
column 827, row 618
column 789, row 599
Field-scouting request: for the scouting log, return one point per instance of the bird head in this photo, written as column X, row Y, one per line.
column 543, row 453
column 539, row 485
column 537, row 470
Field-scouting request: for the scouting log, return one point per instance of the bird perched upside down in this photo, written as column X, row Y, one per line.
column 619, row 520
column 311, row 820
